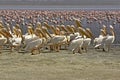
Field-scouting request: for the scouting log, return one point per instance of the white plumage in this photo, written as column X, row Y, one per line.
column 105, row 41
column 86, row 43
column 99, row 41
column 75, row 44
column 33, row 44
column 57, row 39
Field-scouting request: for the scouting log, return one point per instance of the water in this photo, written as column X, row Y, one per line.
column 58, row 7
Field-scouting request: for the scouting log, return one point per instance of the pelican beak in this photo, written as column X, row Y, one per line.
column 46, row 25
column 105, row 29
column 39, row 25
column 102, row 32
column 78, row 23
column 46, row 31
column 70, row 29
column 111, row 27
column 89, row 32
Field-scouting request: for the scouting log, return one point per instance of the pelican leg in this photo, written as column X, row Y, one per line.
column 39, row 50
column 51, row 47
column 54, row 47
column 60, row 46
column 109, row 46
column 66, row 45
column 86, row 49
column 32, row 51
column 79, row 50
column 104, row 49
column 57, row 47
column 0, row 49
column 73, row 51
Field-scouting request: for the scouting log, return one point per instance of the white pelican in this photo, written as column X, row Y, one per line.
column 99, row 41
column 57, row 39
column 87, row 37
column 38, row 42
column 5, row 37
column 35, row 45
column 110, row 38
column 87, row 40
column 76, row 45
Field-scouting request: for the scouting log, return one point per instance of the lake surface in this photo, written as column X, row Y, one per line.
column 62, row 7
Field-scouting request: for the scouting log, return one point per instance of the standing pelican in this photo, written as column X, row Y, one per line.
column 110, row 38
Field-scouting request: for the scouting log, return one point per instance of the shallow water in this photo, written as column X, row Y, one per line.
column 62, row 7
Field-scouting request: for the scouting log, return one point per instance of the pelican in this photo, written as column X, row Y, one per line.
column 5, row 39
column 57, row 39
column 87, row 37
column 110, row 38
column 37, row 43
column 76, row 45
column 78, row 24
column 99, row 41
column 30, row 36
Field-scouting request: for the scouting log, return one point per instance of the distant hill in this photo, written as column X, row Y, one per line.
column 59, row 2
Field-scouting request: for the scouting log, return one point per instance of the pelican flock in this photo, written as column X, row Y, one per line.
column 75, row 38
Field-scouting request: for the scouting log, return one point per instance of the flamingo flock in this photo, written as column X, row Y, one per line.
column 44, row 36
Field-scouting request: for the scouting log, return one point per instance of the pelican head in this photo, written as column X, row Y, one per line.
column 6, row 33
column 17, row 26
column 46, row 25
column 45, row 30
column 53, row 29
column 70, row 29
column 42, row 33
column 111, row 27
column 37, row 32
column 63, row 28
column 57, row 31
column 30, row 30
column 102, row 32
column 89, row 32
column 78, row 23
column 73, row 27
column 38, row 24
column 105, row 29
column 112, row 30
